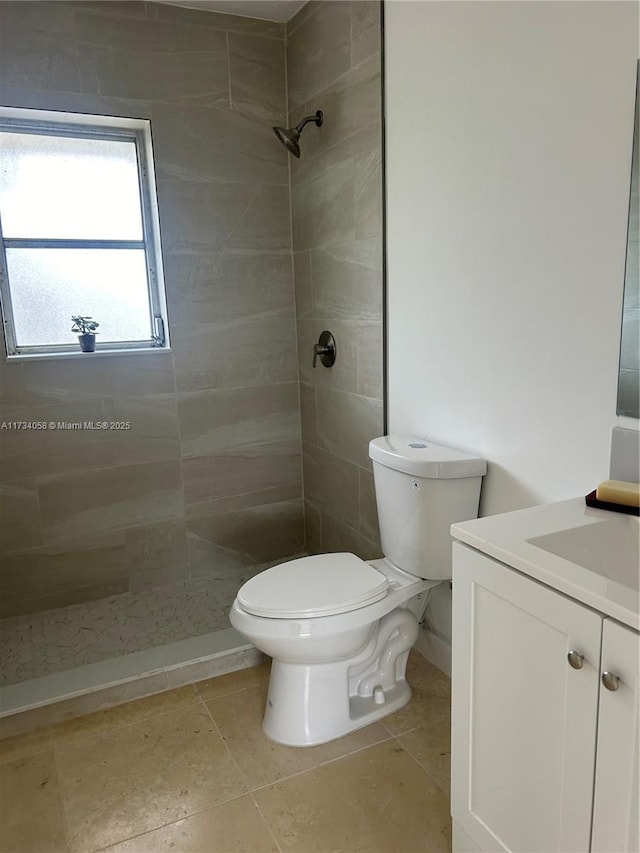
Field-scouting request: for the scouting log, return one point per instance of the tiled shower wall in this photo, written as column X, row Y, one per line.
column 208, row 479
column 334, row 64
column 207, row 483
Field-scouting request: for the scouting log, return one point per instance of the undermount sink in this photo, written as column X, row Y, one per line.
column 610, row 548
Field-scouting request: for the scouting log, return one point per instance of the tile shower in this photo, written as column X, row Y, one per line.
column 112, row 545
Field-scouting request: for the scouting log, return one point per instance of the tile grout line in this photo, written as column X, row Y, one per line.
column 57, row 744
column 65, row 822
column 242, row 775
column 185, row 817
column 409, row 752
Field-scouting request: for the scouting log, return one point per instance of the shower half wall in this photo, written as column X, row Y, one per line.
column 122, row 544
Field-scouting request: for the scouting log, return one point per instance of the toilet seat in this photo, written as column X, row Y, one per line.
column 323, row 585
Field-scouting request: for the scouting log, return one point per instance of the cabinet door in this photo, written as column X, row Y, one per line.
column 523, row 720
column 615, row 808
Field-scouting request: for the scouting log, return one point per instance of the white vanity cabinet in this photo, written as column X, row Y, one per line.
column 544, row 754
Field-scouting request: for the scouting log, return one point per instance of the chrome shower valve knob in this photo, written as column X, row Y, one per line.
column 325, row 350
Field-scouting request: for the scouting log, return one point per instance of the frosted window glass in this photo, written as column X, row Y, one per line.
column 49, row 285
column 57, row 187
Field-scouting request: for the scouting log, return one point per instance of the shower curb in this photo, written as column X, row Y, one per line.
column 94, row 687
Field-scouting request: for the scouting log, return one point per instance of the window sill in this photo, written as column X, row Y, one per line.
column 49, row 356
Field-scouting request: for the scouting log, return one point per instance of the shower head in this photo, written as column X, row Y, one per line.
column 290, row 136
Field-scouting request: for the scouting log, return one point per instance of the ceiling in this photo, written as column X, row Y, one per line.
column 267, row 10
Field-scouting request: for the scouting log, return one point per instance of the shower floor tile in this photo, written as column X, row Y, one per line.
column 57, row 640
column 171, row 775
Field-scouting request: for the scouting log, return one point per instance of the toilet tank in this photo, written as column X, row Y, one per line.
column 422, row 488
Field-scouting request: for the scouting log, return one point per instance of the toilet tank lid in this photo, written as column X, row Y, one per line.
column 423, row 458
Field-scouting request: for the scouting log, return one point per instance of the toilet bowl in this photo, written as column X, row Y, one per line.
column 340, row 629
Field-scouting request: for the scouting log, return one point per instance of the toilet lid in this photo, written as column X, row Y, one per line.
column 324, row 585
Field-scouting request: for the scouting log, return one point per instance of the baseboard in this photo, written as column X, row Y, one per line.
column 434, row 649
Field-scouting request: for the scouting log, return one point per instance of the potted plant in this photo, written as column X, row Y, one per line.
column 85, row 327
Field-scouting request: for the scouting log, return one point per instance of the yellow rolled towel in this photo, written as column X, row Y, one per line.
column 619, row 492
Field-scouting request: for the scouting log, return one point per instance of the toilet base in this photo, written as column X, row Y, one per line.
column 309, row 704
column 319, row 720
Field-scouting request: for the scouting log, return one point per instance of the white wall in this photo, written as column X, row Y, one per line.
column 509, row 131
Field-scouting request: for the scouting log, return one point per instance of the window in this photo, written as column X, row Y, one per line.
column 79, row 231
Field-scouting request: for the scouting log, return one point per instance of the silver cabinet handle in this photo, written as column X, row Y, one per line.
column 610, row 681
column 576, row 660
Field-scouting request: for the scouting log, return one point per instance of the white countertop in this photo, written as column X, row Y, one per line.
column 591, row 555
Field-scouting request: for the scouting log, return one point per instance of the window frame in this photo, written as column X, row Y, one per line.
column 82, row 125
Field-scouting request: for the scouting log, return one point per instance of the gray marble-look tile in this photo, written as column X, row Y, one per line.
column 78, row 102
column 37, row 47
column 221, row 545
column 149, row 430
column 61, row 574
column 368, row 201
column 265, row 223
column 235, row 418
column 213, row 143
column 324, row 160
column 88, row 502
column 235, row 354
column 19, row 515
column 301, row 15
column 308, row 413
column 352, row 104
column 141, row 374
column 370, row 360
column 257, row 475
column 338, row 536
column 365, row 29
column 104, row 25
column 331, row 484
column 81, row 381
column 219, row 21
column 343, row 288
column 67, row 440
column 302, row 282
column 223, row 287
column 312, row 528
column 369, row 525
column 198, row 216
column 346, row 423
column 258, row 85
column 157, row 555
column 319, row 49
column 12, row 385
column 122, row 69
column 323, row 207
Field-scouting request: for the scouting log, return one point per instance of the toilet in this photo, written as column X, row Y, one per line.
column 340, row 629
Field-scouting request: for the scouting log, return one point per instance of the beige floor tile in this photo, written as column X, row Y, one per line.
column 239, row 718
column 124, row 715
column 430, row 700
column 130, row 780
column 232, row 682
column 431, row 747
column 32, row 819
column 235, row 827
column 378, row 799
column 26, row 745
